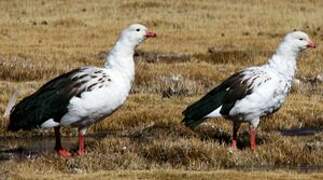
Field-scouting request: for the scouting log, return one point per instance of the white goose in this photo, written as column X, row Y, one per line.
column 82, row 96
column 254, row 92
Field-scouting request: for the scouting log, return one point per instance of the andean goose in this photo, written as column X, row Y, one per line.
column 254, row 92
column 82, row 96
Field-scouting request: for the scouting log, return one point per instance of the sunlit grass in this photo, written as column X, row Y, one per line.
column 42, row 39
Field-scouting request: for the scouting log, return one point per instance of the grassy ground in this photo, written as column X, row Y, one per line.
column 199, row 44
column 181, row 175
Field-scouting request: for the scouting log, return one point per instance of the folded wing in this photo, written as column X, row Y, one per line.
column 52, row 99
column 225, row 96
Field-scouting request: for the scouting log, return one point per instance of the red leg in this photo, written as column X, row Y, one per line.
column 252, row 133
column 81, row 150
column 58, row 146
column 236, row 127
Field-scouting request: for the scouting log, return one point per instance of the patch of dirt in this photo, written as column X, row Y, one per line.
column 153, row 57
column 236, row 56
column 159, row 23
column 156, row 57
column 143, row 4
column 271, row 34
column 69, row 22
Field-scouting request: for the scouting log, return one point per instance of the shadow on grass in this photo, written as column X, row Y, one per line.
column 223, row 137
column 205, row 133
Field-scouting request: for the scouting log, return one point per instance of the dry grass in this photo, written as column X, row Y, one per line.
column 199, row 44
column 181, row 175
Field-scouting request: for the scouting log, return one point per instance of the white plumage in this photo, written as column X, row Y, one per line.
column 96, row 104
column 253, row 92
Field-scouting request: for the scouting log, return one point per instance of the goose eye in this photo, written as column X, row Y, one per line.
column 137, row 30
column 301, row 39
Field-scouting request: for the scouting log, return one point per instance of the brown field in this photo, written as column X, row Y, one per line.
column 200, row 42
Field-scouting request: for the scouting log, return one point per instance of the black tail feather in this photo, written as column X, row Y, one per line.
column 191, row 123
column 19, row 125
column 17, row 122
column 195, row 113
column 13, row 127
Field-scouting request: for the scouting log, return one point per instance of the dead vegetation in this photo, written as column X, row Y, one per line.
column 199, row 44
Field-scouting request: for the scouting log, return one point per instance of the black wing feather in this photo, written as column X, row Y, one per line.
column 226, row 94
column 50, row 101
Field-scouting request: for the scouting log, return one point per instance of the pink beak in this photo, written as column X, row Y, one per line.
column 311, row 44
column 150, row 34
